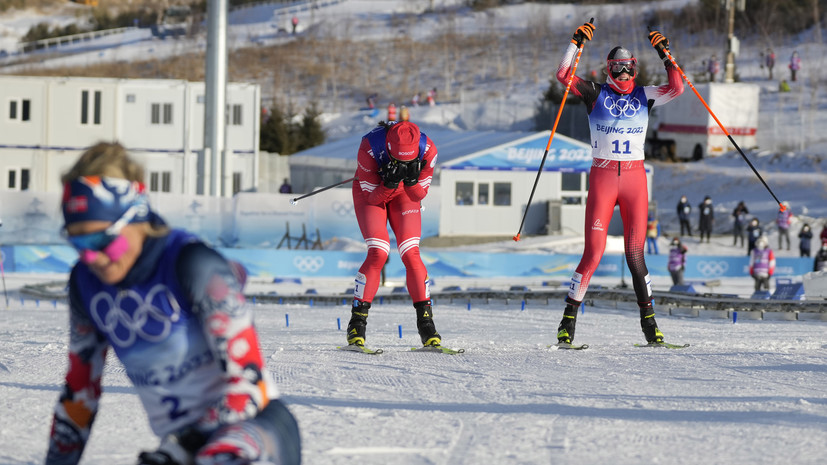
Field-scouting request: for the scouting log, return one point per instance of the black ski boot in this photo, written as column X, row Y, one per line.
column 565, row 332
column 425, row 324
column 358, row 323
column 648, row 323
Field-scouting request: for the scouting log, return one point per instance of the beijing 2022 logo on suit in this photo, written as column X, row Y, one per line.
column 129, row 316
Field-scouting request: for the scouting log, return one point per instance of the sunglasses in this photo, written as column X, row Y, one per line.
column 110, row 242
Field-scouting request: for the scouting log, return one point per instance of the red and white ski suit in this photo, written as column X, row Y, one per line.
column 376, row 206
column 618, row 124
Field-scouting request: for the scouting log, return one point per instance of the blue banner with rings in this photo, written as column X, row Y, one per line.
column 323, row 264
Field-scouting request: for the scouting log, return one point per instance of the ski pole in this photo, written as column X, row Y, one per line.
column 731, row 140
column 551, row 137
column 295, row 200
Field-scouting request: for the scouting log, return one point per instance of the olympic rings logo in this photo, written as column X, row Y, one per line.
column 622, row 106
column 710, row 268
column 308, row 264
column 142, row 319
column 343, row 208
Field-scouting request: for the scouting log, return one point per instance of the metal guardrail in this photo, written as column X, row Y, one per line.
column 57, row 42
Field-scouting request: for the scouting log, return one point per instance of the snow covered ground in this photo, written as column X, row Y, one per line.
column 752, row 392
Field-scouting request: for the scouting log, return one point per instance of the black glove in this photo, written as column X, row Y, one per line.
column 156, row 458
column 412, row 172
column 661, row 44
column 175, row 449
column 582, row 34
column 392, row 174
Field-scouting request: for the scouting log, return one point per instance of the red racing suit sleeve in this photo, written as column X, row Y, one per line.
column 419, row 190
column 658, row 95
column 78, row 403
column 217, row 298
column 586, row 90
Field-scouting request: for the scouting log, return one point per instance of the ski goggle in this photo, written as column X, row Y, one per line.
column 109, row 241
column 623, row 66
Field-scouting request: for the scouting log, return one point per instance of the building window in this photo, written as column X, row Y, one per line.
column 84, row 107
column 130, row 98
column 236, row 182
column 236, row 115
column 96, row 107
column 571, row 181
column 20, row 110
column 465, row 193
column 160, row 181
column 167, row 113
column 502, row 193
column 482, row 194
column 156, row 113
column 18, row 179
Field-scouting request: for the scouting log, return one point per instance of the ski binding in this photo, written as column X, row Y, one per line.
column 438, row 349
column 362, row 349
column 569, row 346
column 663, row 344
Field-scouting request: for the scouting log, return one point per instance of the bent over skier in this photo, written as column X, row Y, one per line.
column 618, row 117
column 395, row 164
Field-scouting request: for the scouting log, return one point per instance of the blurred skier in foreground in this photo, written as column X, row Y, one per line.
column 173, row 311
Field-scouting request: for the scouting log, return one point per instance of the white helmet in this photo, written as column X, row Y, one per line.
column 762, row 242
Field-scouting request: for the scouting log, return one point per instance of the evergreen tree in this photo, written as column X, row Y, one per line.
column 274, row 135
column 310, row 132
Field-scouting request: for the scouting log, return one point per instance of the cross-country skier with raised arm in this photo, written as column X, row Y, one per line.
column 618, row 117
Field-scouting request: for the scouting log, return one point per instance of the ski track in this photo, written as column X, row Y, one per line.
column 752, row 392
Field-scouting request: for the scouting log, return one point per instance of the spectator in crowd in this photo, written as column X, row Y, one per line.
column 823, row 235
column 805, row 236
column 754, row 231
column 820, row 262
column 784, row 220
column 652, row 234
column 677, row 260
column 706, row 218
column 770, row 60
column 684, row 209
column 286, row 188
column 739, row 217
column 795, row 65
column 713, row 68
column 762, row 264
